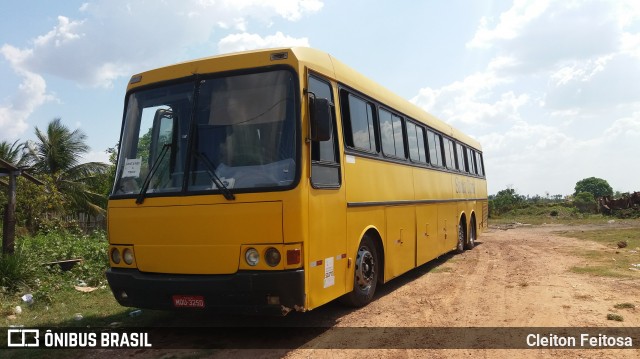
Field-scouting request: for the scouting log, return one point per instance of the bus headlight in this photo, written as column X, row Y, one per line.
column 272, row 257
column 115, row 256
column 252, row 257
column 127, row 255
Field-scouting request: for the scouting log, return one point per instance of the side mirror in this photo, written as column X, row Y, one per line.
column 162, row 132
column 320, row 113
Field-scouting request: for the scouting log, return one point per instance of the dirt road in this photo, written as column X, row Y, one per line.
column 514, row 278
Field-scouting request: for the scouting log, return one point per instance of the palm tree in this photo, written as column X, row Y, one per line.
column 12, row 152
column 57, row 152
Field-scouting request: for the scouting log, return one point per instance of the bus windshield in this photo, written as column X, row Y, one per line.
column 219, row 134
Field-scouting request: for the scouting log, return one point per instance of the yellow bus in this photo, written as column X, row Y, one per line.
column 280, row 180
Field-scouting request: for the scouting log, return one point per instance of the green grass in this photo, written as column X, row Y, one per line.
column 441, row 269
column 97, row 308
column 610, row 261
column 542, row 213
column 55, row 301
column 625, row 306
column 616, row 317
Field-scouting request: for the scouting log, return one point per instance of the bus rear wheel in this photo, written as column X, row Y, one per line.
column 462, row 235
column 365, row 278
column 472, row 235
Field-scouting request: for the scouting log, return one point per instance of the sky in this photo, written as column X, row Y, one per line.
column 551, row 89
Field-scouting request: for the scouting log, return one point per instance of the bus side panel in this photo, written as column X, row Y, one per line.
column 433, row 185
column 359, row 220
column 428, row 246
column 370, row 180
column 400, row 240
column 448, row 223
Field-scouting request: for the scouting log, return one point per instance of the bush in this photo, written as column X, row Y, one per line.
column 505, row 201
column 16, row 271
column 27, row 271
column 63, row 245
column 585, row 202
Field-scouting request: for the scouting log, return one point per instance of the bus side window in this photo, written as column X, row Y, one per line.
column 471, row 160
column 415, row 136
column 460, row 158
column 479, row 164
column 391, row 134
column 325, row 167
column 435, row 149
column 449, row 154
column 358, row 122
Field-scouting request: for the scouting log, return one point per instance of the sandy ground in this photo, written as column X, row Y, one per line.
column 518, row 277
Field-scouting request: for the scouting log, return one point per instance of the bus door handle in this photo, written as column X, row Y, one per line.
column 445, row 229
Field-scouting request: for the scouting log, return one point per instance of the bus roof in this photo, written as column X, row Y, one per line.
column 316, row 60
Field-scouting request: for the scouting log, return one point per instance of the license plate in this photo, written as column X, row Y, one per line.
column 188, row 301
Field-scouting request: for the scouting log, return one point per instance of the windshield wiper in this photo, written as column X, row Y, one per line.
column 212, row 173
column 152, row 171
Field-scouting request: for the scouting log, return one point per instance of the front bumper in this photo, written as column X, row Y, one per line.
column 245, row 291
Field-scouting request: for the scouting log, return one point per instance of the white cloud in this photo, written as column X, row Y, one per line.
column 510, row 25
column 292, row 10
column 531, row 156
column 558, row 100
column 608, row 81
column 536, row 35
column 245, row 41
column 115, row 39
column 474, row 101
column 63, row 33
column 31, row 94
column 628, row 128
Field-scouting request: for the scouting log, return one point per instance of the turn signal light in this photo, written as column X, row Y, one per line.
column 293, row 256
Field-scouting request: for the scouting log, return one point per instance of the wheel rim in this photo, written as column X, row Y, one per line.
column 365, row 269
column 460, row 237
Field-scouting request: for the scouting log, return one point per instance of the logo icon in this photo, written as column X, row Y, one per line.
column 21, row 338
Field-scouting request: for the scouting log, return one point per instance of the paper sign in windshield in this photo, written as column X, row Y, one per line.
column 132, row 167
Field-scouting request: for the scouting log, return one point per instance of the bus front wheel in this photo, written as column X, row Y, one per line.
column 365, row 276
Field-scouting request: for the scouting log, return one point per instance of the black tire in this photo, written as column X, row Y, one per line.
column 365, row 277
column 471, row 241
column 462, row 237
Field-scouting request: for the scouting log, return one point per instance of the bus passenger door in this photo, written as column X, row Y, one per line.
column 327, row 211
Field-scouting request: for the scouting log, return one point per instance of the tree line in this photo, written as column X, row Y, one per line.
column 584, row 198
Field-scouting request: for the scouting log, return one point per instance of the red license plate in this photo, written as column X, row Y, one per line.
column 188, row 301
